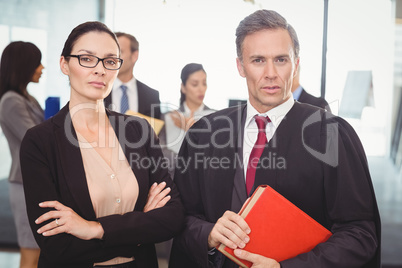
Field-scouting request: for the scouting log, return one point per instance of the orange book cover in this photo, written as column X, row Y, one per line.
column 279, row 229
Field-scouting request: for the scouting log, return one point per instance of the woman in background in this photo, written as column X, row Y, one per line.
column 20, row 64
column 192, row 92
column 93, row 201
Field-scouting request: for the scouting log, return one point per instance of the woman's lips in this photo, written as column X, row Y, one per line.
column 97, row 84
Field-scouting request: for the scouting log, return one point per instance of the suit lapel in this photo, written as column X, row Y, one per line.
column 71, row 162
column 220, row 182
column 274, row 152
column 141, row 98
column 240, row 191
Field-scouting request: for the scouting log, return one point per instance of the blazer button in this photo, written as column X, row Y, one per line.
column 118, row 200
column 112, row 176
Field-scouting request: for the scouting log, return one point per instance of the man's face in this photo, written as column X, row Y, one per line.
column 269, row 66
column 129, row 58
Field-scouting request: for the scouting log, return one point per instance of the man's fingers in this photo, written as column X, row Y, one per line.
column 245, row 255
column 218, row 237
column 236, row 218
column 233, row 232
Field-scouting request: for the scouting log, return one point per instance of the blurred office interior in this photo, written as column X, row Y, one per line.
column 354, row 61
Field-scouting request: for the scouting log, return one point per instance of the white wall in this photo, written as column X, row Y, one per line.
column 173, row 33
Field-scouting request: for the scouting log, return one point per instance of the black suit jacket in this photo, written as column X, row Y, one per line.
column 310, row 99
column 148, row 101
column 52, row 169
column 314, row 159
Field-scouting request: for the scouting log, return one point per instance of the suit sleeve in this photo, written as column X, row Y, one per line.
column 40, row 185
column 351, row 207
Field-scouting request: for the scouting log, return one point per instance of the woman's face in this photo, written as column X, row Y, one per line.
column 90, row 84
column 37, row 74
column 195, row 88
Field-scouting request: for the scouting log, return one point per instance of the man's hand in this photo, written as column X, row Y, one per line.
column 258, row 261
column 181, row 121
column 231, row 229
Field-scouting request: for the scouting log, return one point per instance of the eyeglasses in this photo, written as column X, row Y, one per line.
column 91, row 61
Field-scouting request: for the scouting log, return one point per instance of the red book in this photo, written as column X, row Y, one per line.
column 279, row 229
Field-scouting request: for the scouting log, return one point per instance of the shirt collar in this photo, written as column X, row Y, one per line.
column 129, row 84
column 275, row 114
column 188, row 111
column 297, row 92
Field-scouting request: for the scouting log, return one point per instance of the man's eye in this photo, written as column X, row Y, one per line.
column 258, row 60
column 281, row 60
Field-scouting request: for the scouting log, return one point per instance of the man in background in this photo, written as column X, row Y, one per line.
column 128, row 93
column 301, row 95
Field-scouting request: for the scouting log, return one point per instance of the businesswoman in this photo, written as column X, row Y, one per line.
column 98, row 195
column 20, row 64
column 192, row 92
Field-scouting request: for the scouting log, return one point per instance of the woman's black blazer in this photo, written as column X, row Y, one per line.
column 52, row 169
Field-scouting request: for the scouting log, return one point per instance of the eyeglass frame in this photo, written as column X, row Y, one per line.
column 99, row 59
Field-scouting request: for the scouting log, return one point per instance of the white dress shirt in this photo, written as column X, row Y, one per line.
column 132, row 93
column 251, row 130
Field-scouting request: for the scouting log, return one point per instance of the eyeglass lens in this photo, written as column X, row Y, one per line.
column 91, row 61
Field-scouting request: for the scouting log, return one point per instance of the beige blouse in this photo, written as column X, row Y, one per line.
column 113, row 188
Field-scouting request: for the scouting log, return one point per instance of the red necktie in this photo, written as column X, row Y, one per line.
column 256, row 151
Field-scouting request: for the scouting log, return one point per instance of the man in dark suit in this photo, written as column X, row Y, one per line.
column 311, row 157
column 303, row 96
column 140, row 97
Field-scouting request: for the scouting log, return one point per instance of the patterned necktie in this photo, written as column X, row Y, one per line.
column 124, row 99
column 256, row 151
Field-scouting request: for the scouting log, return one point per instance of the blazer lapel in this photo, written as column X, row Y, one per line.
column 142, row 98
column 127, row 136
column 72, row 163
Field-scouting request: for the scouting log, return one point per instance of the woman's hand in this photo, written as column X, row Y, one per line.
column 157, row 197
column 181, row 121
column 67, row 221
column 258, row 261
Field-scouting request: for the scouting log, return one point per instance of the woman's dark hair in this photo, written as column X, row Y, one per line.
column 185, row 74
column 80, row 30
column 17, row 66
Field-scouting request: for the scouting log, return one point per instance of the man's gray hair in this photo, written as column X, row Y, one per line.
column 263, row 20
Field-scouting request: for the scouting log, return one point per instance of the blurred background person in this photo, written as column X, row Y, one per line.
column 192, row 93
column 128, row 93
column 301, row 95
column 20, row 64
